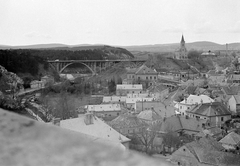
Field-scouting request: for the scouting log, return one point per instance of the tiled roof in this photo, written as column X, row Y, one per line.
column 127, row 121
column 216, row 157
column 233, row 90
column 237, row 98
column 208, row 143
column 149, row 115
column 232, row 139
column 209, row 152
column 132, row 71
column 193, row 99
column 190, row 89
column 210, row 109
column 98, row 129
column 177, row 123
column 145, row 70
column 157, row 88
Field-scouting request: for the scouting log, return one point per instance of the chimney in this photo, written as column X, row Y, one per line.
column 88, row 118
column 56, row 121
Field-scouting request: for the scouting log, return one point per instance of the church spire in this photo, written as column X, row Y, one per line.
column 182, row 41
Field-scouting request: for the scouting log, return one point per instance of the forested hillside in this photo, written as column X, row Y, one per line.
column 21, row 61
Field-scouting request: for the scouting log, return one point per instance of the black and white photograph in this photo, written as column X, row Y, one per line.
column 119, row 83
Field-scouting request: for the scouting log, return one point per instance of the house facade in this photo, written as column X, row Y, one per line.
column 105, row 111
column 191, row 102
column 234, row 104
column 215, row 114
column 124, row 89
column 158, row 91
column 37, row 84
column 143, row 74
column 162, row 109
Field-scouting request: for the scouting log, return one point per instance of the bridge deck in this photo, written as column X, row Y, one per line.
column 112, row 60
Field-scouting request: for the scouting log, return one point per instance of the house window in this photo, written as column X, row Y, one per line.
column 150, row 77
column 139, row 78
column 110, row 115
column 222, row 118
column 146, row 78
column 155, row 78
column 117, row 114
column 180, row 107
column 132, row 76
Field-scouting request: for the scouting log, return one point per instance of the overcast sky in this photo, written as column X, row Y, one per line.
column 118, row 22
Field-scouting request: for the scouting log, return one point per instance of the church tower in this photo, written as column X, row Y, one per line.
column 183, row 50
column 181, row 53
column 182, row 42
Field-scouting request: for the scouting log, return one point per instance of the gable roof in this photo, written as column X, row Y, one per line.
column 145, row 70
column 127, row 121
column 159, row 107
column 218, row 158
column 237, row 98
column 195, row 99
column 149, row 115
column 231, row 138
column 98, row 129
column 232, row 90
column 190, row 89
column 178, row 123
column 157, row 88
column 210, row 109
column 210, row 152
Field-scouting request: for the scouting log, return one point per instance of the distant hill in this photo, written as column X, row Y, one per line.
column 201, row 45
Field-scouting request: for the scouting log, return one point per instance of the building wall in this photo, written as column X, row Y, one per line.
column 183, row 107
column 228, row 146
column 160, row 95
column 107, row 114
column 232, row 104
column 147, row 77
column 159, row 107
column 130, row 130
column 124, row 92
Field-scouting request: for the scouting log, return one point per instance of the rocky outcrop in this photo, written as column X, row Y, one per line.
column 9, row 81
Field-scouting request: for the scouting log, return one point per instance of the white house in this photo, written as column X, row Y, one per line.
column 124, row 89
column 37, row 84
column 234, row 104
column 131, row 102
column 138, row 95
column 93, row 126
column 106, row 111
column 190, row 102
column 114, row 99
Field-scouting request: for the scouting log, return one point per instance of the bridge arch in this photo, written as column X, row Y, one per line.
column 93, row 72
